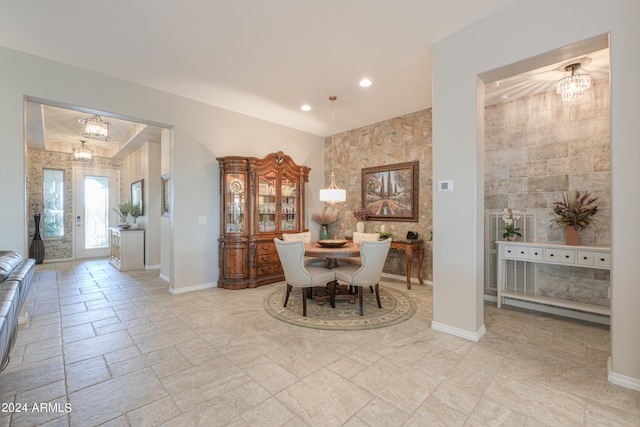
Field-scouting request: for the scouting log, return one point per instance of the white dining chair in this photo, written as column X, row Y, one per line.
column 357, row 239
column 297, row 274
column 304, row 237
column 373, row 255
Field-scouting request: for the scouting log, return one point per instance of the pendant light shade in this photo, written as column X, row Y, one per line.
column 332, row 194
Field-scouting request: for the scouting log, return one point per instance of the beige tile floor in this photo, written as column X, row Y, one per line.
column 121, row 351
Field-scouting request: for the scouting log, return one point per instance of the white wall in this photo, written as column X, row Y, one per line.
column 523, row 31
column 201, row 133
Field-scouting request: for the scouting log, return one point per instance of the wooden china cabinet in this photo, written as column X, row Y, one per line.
column 260, row 199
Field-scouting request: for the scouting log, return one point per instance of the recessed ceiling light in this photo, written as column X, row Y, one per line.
column 305, row 107
column 365, row 82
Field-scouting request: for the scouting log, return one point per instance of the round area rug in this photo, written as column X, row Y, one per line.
column 396, row 308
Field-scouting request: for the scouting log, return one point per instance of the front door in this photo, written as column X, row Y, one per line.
column 95, row 193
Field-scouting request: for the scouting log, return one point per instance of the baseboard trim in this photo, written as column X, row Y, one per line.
column 622, row 380
column 176, row 291
column 557, row 311
column 462, row 333
column 152, row 267
column 23, row 319
column 164, row 277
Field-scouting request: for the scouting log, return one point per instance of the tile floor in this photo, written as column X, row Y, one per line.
column 119, row 350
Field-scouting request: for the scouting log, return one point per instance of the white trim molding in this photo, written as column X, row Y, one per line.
column 622, row 380
column 193, row 288
column 467, row 335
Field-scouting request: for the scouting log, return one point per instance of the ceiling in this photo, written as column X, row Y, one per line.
column 264, row 59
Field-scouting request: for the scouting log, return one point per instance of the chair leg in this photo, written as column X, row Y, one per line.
column 304, row 302
column 332, row 293
column 286, row 298
column 371, row 287
column 361, row 300
column 378, row 295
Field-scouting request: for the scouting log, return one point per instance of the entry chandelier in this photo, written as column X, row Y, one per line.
column 82, row 153
column 332, row 194
column 572, row 86
column 96, row 128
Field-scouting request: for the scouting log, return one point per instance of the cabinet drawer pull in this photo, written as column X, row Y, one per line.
column 602, row 259
column 551, row 255
column 522, row 252
column 584, row 257
column 566, row 256
column 535, row 253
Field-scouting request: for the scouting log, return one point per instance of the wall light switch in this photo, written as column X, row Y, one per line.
column 445, row 186
column 202, row 220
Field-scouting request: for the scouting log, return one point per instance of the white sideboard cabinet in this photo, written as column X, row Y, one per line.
column 596, row 257
column 127, row 249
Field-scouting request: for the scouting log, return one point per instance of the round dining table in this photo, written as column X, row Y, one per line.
column 349, row 250
column 332, row 255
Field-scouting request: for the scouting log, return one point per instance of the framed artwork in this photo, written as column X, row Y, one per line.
column 390, row 192
column 164, row 205
column 137, row 194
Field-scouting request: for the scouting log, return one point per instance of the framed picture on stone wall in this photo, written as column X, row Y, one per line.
column 390, row 192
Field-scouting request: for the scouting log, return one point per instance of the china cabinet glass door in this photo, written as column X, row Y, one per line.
column 235, row 203
column 267, row 202
column 288, row 203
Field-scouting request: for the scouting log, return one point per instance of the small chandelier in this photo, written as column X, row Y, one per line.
column 572, row 86
column 96, row 128
column 82, row 153
column 332, row 194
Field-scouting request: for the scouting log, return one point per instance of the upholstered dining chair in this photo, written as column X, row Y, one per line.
column 305, row 237
column 297, row 274
column 373, row 255
column 357, row 239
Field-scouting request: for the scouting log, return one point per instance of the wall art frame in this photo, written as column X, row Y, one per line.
column 390, row 192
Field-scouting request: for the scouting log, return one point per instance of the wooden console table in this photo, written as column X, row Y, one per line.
column 408, row 246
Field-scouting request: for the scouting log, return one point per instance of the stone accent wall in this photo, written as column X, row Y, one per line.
column 538, row 147
column 398, row 140
column 57, row 248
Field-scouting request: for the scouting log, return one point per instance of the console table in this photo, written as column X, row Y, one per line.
column 408, row 246
column 598, row 257
column 127, row 249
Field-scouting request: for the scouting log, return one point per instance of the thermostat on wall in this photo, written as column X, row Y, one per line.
column 445, row 186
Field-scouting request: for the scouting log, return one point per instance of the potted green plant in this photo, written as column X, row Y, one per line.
column 385, row 234
column 509, row 217
column 134, row 211
column 123, row 211
column 575, row 212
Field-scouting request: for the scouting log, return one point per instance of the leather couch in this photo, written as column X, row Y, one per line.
column 16, row 275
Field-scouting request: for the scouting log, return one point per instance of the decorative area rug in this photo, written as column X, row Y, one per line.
column 396, row 308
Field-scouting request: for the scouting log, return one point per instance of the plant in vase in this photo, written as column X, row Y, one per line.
column 509, row 217
column 134, row 211
column 360, row 215
column 324, row 218
column 123, row 213
column 384, row 234
column 575, row 212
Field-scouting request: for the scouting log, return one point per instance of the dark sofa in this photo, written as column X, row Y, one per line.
column 16, row 275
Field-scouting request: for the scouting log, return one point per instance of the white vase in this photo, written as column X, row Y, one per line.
column 360, row 227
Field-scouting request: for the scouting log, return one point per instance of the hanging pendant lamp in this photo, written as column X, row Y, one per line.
column 332, row 194
column 572, row 86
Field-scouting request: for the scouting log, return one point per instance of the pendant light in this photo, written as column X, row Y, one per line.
column 572, row 86
column 332, row 194
column 96, row 128
column 82, row 153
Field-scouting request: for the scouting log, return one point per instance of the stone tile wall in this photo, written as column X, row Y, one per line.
column 398, row 140
column 538, row 147
column 57, row 248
